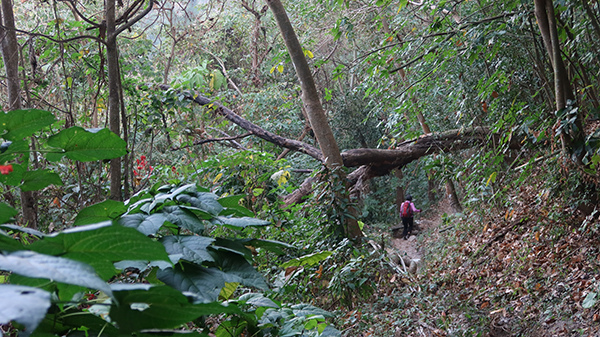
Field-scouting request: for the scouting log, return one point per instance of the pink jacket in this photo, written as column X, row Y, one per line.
column 412, row 207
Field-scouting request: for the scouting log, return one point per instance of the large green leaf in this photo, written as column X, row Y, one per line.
column 238, row 223
column 192, row 248
column 37, row 180
column 150, row 224
column 144, row 223
column 206, row 202
column 161, row 198
column 18, row 124
column 87, row 145
column 183, row 218
column 59, row 269
column 106, row 210
column 236, row 268
column 158, row 307
column 6, row 212
column 233, row 207
column 101, row 245
column 204, row 283
column 25, row 305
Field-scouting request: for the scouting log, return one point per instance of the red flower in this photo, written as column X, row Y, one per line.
column 6, row 169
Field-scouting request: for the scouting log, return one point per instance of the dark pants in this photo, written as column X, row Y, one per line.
column 408, row 226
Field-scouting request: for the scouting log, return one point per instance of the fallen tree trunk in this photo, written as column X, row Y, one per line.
column 371, row 163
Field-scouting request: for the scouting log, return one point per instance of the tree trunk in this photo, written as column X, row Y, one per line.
column 453, row 197
column 312, row 104
column 114, row 100
column 10, row 56
column 399, row 189
column 544, row 13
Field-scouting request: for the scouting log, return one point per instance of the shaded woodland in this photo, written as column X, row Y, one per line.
column 236, row 167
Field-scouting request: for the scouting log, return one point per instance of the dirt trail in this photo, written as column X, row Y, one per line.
column 423, row 224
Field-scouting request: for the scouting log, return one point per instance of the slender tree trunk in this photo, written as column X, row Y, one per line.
column 592, row 17
column 399, row 189
column 10, row 56
column 312, row 104
column 544, row 13
column 114, row 100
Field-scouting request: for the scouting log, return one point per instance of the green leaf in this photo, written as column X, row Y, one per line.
column 161, row 198
column 183, row 218
column 191, row 248
column 87, row 145
column 20, row 229
column 59, row 269
column 237, row 223
column 101, row 245
column 144, row 223
column 18, row 124
column 8, row 244
column 28, row 306
column 271, row 245
column 236, row 268
column 307, row 260
column 37, row 180
column 228, row 290
column 491, row 179
column 206, row 202
column 231, row 201
column 6, row 212
column 258, row 300
column 204, row 283
column 234, row 246
column 106, row 210
column 233, row 207
column 150, row 224
column 158, row 307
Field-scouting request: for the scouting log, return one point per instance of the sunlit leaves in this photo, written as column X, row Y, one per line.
column 18, row 124
column 87, row 145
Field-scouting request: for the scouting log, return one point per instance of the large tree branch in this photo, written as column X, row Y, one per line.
column 218, row 108
column 370, row 162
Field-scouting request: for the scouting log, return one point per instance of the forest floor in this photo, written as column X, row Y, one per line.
column 500, row 275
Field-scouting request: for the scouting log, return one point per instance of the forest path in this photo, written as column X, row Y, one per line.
column 424, row 223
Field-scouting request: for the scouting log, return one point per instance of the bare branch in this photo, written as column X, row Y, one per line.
column 209, row 140
column 136, row 18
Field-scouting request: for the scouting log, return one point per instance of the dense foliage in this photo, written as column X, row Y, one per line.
column 196, row 182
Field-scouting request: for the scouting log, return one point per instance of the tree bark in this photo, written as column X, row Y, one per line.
column 544, row 13
column 10, row 56
column 114, row 99
column 453, row 197
column 312, row 104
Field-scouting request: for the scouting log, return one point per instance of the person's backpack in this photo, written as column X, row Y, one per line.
column 405, row 210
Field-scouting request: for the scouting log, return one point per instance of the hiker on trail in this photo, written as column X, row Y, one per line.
column 407, row 211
